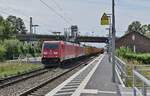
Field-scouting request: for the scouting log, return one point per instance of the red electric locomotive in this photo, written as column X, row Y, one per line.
column 55, row 52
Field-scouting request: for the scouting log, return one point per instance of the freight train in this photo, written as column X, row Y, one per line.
column 56, row 52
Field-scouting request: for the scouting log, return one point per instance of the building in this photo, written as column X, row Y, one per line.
column 135, row 41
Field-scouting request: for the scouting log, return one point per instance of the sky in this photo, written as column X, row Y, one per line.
column 84, row 13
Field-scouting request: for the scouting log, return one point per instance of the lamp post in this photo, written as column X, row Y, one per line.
column 113, row 40
column 110, row 37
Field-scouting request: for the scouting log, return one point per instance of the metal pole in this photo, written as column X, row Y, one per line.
column 113, row 40
column 144, row 91
column 34, row 33
column 109, row 47
column 34, row 26
column 31, row 30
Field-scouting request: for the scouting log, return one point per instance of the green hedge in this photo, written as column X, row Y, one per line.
column 14, row 48
column 128, row 54
column 144, row 58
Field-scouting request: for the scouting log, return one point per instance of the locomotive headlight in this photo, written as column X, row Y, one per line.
column 55, row 53
column 45, row 53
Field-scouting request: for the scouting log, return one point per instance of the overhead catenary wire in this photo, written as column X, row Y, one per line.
column 53, row 10
column 9, row 12
column 61, row 9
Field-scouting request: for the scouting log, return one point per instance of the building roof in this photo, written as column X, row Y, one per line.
column 130, row 33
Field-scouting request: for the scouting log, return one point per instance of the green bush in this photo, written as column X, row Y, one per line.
column 142, row 57
column 2, row 52
column 13, row 48
column 128, row 54
column 123, row 51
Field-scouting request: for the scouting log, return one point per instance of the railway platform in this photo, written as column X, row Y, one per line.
column 95, row 79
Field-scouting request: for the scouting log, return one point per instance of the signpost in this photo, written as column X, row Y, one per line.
column 104, row 19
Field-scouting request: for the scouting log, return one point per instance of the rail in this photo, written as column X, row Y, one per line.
column 140, row 91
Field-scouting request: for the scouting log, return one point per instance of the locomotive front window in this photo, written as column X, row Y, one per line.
column 50, row 46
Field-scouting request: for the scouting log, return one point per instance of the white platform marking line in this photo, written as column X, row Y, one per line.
column 107, row 92
column 90, row 91
column 63, row 93
column 54, row 91
column 68, row 89
column 73, row 84
column 87, row 78
column 95, row 91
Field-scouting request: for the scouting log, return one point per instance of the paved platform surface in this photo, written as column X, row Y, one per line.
column 102, row 80
column 95, row 79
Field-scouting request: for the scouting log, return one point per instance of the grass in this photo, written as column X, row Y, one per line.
column 140, row 60
column 141, row 67
column 7, row 69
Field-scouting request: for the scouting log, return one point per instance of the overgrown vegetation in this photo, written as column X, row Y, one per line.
column 126, row 53
column 7, row 70
column 10, row 47
column 13, row 48
column 134, row 59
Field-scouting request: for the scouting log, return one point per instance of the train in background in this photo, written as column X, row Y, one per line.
column 56, row 52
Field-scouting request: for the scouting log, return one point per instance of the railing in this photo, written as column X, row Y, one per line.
column 140, row 90
column 136, row 76
column 121, row 71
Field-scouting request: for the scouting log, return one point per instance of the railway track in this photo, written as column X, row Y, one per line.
column 14, row 79
column 27, row 86
column 46, row 86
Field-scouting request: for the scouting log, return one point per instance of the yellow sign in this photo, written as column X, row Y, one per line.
column 104, row 19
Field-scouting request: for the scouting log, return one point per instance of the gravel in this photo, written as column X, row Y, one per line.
column 22, row 86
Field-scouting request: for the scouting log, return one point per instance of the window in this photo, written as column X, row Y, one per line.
column 50, row 46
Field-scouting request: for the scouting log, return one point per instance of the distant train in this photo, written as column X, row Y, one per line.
column 56, row 52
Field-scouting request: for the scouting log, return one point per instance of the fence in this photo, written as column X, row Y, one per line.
column 136, row 76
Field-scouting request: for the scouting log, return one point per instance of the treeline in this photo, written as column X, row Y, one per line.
column 10, row 26
column 10, row 47
column 13, row 48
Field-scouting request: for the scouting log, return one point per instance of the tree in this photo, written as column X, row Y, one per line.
column 5, row 29
column 144, row 29
column 21, row 26
column 2, row 52
column 12, row 20
column 17, row 25
column 1, row 25
column 148, row 27
column 134, row 27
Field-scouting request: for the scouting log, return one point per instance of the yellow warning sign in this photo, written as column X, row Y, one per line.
column 104, row 19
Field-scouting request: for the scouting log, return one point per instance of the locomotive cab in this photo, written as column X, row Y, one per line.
column 51, row 53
